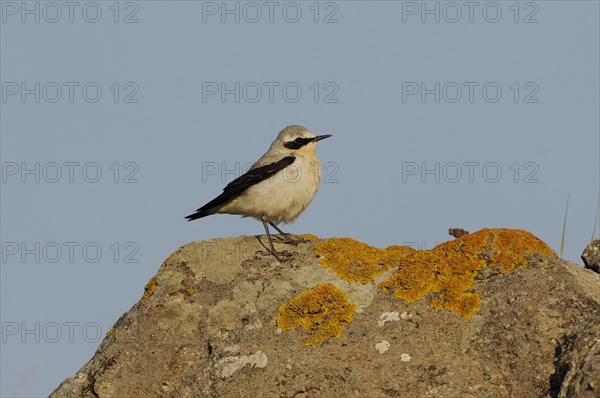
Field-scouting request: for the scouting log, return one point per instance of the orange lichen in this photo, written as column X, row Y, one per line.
column 355, row 261
column 320, row 311
column 149, row 289
column 190, row 291
column 449, row 269
column 515, row 248
column 310, row 237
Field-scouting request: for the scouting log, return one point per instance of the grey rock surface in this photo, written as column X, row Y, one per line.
column 591, row 256
column 206, row 327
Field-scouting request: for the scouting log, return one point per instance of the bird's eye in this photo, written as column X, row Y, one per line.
column 298, row 140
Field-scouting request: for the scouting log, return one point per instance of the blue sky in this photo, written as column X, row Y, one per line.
column 117, row 121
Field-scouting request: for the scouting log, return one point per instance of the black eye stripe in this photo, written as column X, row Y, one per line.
column 297, row 143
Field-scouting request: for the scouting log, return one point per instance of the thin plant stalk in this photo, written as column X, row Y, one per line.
column 562, row 241
column 596, row 220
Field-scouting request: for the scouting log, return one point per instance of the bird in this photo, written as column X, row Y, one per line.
column 277, row 188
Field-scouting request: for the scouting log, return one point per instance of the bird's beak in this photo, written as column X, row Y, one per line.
column 321, row 137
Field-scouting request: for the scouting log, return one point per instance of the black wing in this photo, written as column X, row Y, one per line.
column 240, row 184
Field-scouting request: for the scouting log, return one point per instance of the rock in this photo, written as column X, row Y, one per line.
column 578, row 365
column 221, row 320
column 591, row 256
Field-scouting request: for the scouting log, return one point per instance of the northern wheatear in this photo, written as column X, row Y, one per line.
column 278, row 187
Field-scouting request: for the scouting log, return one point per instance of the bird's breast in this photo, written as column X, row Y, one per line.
column 289, row 192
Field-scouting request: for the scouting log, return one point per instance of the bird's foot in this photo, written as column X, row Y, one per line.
column 280, row 256
column 291, row 239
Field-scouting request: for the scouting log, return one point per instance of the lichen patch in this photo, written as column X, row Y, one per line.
column 320, row 311
column 448, row 270
column 354, row 261
column 149, row 289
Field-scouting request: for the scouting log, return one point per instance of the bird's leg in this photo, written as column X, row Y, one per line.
column 273, row 251
column 287, row 237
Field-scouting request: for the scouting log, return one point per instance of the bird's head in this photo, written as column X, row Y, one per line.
column 293, row 139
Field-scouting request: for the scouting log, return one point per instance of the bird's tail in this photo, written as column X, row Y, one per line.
column 198, row 214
